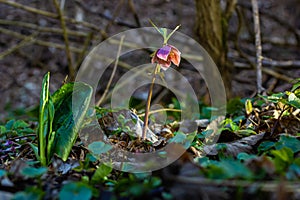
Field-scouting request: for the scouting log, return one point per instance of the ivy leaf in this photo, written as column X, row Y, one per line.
column 288, row 141
column 265, row 146
column 30, row 193
column 75, row 191
column 99, row 147
column 178, row 138
column 33, row 172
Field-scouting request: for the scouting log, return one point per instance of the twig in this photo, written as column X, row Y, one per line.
column 115, row 14
column 52, row 15
column 83, row 52
column 257, row 46
column 102, row 15
column 136, row 17
column 161, row 110
column 29, row 9
column 66, row 39
column 41, row 28
column 37, row 41
column 277, row 75
column 282, row 22
column 281, row 63
column 24, row 42
column 113, row 72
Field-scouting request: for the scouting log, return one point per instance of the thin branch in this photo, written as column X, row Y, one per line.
column 161, row 110
column 281, row 63
column 133, row 10
column 66, row 39
column 41, row 28
column 257, row 46
column 81, row 56
column 52, row 15
column 30, row 9
column 266, row 71
column 104, row 16
column 37, row 41
column 112, row 74
column 26, row 41
column 115, row 14
column 277, row 75
column 282, row 22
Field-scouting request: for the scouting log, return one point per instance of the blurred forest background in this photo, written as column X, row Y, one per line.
column 40, row 36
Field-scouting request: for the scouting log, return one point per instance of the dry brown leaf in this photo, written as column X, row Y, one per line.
column 234, row 148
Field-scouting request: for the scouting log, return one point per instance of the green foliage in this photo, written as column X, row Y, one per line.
column 46, row 115
column 183, row 138
column 60, row 119
column 2, row 173
column 33, row 172
column 69, row 115
column 284, row 141
column 288, row 98
column 76, row 191
column 136, row 185
column 30, row 193
column 101, row 173
column 225, row 169
column 15, row 128
column 99, row 147
column 283, row 158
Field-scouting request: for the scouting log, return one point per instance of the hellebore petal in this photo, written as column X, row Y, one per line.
column 174, row 55
column 164, row 52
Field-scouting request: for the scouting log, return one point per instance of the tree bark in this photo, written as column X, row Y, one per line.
column 212, row 28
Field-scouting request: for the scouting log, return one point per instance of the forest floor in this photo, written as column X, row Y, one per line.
column 257, row 154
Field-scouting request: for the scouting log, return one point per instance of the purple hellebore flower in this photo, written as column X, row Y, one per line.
column 165, row 55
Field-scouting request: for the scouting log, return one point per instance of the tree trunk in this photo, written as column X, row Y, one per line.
column 212, row 28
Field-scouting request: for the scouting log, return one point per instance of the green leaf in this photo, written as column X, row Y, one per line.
column 99, row 147
column 248, row 107
column 296, row 84
column 275, row 97
column 44, row 125
column 2, row 129
column 282, row 158
column 33, row 172
column 31, row 193
column 235, row 169
column 2, row 173
column 244, row 156
column 75, row 191
column 20, row 124
column 168, row 37
column 35, row 150
column 71, row 103
column 178, row 138
column 101, row 173
column 293, row 100
column 245, row 132
column 288, row 141
column 265, row 146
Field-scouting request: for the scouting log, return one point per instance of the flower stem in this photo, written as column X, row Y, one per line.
column 156, row 70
